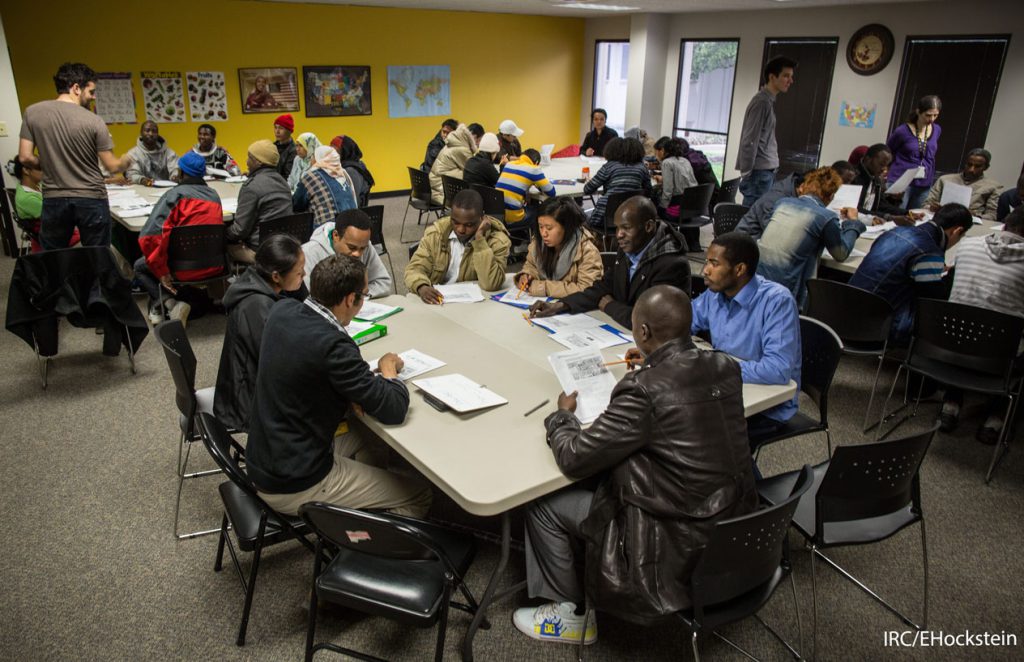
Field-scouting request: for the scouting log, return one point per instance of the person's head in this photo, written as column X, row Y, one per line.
column 467, row 214
column 509, row 131
column 599, row 117
column 306, row 145
column 877, row 160
column 662, row 314
column 349, row 150
column 77, row 80
column 1014, row 221
column 351, row 234
column 845, row 170
column 280, row 262
column 448, row 126
column 927, row 110
column 192, row 165
column 207, row 137
column 778, row 74
column 261, row 84
column 731, row 262
column 624, row 150
column 667, row 148
column 857, row 153
column 557, row 218
column 477, row 131
column 636, row 221
column 262, row 153
column 533, row 155
column 150, row 134
column 339, row 284
column 24, row 173
column 490, row 145
column 977, row 162
column 283, row 127
column 954, row 220
column 821, row 182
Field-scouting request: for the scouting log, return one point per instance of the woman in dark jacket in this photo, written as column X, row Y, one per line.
column 352, row 161
column 279, row 267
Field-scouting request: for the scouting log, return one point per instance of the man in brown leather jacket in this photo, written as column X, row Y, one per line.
column 672, row 453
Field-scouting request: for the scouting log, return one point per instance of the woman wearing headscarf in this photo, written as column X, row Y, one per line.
column 351, row 161
column 325, row 189
column 305, row 147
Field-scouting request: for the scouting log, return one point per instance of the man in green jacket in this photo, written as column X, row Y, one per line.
column 464, row 246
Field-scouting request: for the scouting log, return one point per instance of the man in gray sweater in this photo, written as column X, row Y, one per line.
column 348, row 234
column 758, row 158
column 264, row 195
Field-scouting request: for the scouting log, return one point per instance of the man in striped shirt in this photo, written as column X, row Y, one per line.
column 515, row 182
column 909, row 262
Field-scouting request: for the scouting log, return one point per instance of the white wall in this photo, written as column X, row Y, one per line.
column 1005, row 135
column 10, row 111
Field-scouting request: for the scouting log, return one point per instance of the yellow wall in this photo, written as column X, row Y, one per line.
column 538, row 83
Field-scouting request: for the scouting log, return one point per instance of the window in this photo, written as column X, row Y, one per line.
column 800, row 113
column 707, row 71
column 611, row 74
column 964, row 72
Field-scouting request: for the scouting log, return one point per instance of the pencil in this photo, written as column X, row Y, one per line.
column 521, row 290
column 440, row 299
column 536, row 408
column 527, row 318
column 626, row 361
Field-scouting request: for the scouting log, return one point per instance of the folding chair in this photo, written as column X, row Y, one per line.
column 194, row 248
column 419, row 199
column 727, row 216
column 376, row 214
column 727, row 191
column 299, row 226
column 694, row 205
column 451, row 187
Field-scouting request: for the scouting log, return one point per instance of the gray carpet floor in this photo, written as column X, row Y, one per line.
column 91, row 571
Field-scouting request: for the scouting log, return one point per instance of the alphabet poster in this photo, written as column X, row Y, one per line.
column 115, row 99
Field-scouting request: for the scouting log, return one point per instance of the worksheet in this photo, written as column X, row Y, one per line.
column 373, row 311
column 901, row 184
column 460, row 292
column 955, row 193
column 848, row 195
column 229, row 205
column 585, row 372
column 514, row 297
column 460, row 393
column 564, row 322
column 595, row 338
column 416, row 363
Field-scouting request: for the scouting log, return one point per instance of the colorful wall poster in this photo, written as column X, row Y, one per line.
column 336, row 91
column 269, row 90
column 115, row 99
column 857, row 115
column 419, row 91
column 163, row 96
column 207, row 97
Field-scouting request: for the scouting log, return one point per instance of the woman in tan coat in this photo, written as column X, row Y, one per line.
column 459, row 146
column 563, row 257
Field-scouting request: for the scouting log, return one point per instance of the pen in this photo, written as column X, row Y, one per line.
column 527, row 318
column 536, row 408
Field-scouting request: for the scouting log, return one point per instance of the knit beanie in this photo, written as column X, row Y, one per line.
column 192, row 164
column 286, row 120
column 489, row 143
column 265, row 152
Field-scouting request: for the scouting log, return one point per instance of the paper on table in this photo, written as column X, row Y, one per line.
column 128, row 202
column 957, row 193
column 237, row 179
column 135, row 212
column 416, row 363
column 118, row 187
column 460, row 393
column 372, row 311
column 853, row 253
column 585, row 373
column 523, row 300
column 901, row 184
column 460, row 292
column 848, row 195
column 875, row 231
column 164, row 183
column 596, row 338
column 355, row 327
column 217, row 172
column 229, row 205
column 564, row 322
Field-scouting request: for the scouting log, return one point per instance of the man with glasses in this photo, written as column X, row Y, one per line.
column 311, row 380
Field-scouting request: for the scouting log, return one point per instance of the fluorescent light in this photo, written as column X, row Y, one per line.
column 593, row 7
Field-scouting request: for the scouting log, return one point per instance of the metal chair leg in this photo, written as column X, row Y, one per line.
column 871, row 398
column 814, row 606
column 924, row 564
column 442, row 622
column 1003, row 442
column 131, row 350
column 792, row 651
column 828, row 442
column 696, row 646
column 796, row 606
column 737, row 647
column 864, row 588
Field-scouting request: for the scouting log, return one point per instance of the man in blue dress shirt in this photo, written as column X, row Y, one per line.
column 751, row 318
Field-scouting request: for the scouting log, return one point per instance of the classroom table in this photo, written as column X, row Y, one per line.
column 493, row 460
column 153, row 194
column 570, row 167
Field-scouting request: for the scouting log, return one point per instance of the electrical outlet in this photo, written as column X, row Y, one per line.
column 3, row 129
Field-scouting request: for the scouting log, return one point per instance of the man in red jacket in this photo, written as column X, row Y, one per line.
column 191, row 202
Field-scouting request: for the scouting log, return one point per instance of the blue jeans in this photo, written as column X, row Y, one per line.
column 62, row 215
column 914, row 196
column 756, row 184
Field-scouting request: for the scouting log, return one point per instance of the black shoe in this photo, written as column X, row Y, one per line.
column 948, row 421
column 988, row 436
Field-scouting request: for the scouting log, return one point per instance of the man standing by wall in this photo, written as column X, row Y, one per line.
column 72, row 143
column 758, row 158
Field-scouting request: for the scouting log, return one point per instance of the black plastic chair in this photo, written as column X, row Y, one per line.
column 612, row 203
column 694, row 205
column 727, row 191
column 195, row 247
column 451, row 186
column 255, row 524
column 864, row 494
column 386, row 565
column 820, row 350
column 376, row 214
column 412, row 249
column 182, row 363
column 299, row 226
column 743, row 562
column 727, row 216
column 860, row 318
column 608, row 260
column 419, row 199
column 12, row 224
column 494, row 200
column 968, row 347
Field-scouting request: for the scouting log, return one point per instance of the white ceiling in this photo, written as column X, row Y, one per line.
column 572, row 8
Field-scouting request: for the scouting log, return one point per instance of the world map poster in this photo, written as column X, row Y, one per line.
column 419, row 91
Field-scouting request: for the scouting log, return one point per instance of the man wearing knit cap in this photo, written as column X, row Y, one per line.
column 283, row 127
column 508, row 136
column 191, row 202
column 264, row 195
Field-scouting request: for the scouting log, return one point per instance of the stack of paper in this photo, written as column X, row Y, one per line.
column 135, row 212
column 514, row 297
column 164, row 183
column 217, row 172
column 372, row 311
column 229, row 205
column 460, row 393
column 565, row 322
column 595, row 338
column 585, row 373
column 416, row 363
column 460, row 292
column 237, row 179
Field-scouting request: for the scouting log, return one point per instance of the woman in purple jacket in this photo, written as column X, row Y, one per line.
column 914, row 145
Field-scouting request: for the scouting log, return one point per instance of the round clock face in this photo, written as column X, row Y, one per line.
column 870, row 49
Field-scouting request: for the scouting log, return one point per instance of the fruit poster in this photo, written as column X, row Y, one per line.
column 115, row 99
column 207, row 97
column 163, row 96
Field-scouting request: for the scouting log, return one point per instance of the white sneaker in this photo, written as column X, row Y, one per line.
column 555, row 621
column 179, row 311
column 155, row 315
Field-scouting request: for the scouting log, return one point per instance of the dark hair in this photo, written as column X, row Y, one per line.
column 775, row 66
column 1014, row 221
column 598, row 110
column 469, row 199
column 566, row 213
column 147, row 123
column 660, row 143
column 277, row 253
column 823, row 182
column 843, row 167
column 952, row 215
column 924, row 104
column 15, row 168
column 983, row 153
column 336, row 277
column 876, row 149
column 72, row 73
column 450, row 124
column 533, row 155
column 739, row 248
column 208, row 127
column 624, row 150
column 476, row 130
column 641, row 207
column 351, row 218
column 673, row 147
column 349, row 150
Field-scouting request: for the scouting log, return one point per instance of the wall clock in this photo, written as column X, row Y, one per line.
column 870, row 49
